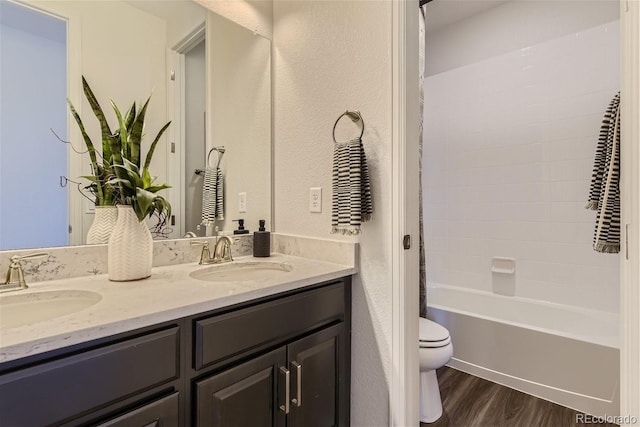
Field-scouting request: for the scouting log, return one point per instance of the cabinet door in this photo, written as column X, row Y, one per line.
column 246, row 395
column 319, row 387
column 161, row 413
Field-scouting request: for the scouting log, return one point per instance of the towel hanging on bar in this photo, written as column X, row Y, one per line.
column 212, row 195
column 351, row 200
column 604, row 195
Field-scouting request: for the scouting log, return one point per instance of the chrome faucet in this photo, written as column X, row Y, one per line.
column 221, row 251
column 15, row 276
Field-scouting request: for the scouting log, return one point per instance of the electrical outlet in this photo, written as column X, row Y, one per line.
column 315, row 199
column 242, row 202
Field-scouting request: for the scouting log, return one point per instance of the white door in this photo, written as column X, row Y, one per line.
column 33, row 204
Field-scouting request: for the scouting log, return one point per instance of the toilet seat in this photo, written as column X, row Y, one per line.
column 433, row 335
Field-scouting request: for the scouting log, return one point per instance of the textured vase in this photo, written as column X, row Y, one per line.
column 130, row 254
column 103, row 222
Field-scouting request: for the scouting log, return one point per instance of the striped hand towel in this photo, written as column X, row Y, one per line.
column 604, row 195
column 351, row 201
column 212, row 195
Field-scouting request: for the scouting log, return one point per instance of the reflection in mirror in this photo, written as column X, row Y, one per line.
column 209, row 76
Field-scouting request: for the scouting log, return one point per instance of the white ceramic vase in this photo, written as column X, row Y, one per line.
column 103, row 222
column 130, row 254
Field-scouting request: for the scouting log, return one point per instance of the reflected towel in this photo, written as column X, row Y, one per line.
column 604, row 195
column 212, row 196
column 351, row 201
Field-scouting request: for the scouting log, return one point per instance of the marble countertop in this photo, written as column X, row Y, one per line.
column 170, row 293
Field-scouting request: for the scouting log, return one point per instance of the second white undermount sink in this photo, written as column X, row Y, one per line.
column 242, row 271
column 26, row 308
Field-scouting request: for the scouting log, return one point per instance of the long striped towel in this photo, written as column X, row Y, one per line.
column 212, row 195
column 604, row 195
column 351, row 201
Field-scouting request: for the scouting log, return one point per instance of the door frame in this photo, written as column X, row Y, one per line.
column 630, row 214
column 404, row 394
column 176, row 112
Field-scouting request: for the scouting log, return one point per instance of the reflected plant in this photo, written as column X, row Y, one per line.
column 133, row 180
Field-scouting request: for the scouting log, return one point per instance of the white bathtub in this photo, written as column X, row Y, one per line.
column 564, row 354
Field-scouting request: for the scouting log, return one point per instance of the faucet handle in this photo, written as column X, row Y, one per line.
column 15, row 275
column 18, row 258
column 204, row 255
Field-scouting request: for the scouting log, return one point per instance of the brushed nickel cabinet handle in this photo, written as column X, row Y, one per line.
column 287, row 390
column 298, row 399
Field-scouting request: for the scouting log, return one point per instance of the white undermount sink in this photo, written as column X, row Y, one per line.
column 242, row 271
column 27, row 308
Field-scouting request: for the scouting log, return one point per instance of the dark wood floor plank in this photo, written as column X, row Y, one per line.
column 470, row 401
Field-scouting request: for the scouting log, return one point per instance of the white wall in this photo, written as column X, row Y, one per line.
column 509, row 147
column 254, row 15
column 506, row 28
column 329, row 57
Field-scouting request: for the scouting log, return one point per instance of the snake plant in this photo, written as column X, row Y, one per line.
column 121, row 178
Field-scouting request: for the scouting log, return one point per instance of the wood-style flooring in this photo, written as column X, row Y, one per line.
column 470, row 401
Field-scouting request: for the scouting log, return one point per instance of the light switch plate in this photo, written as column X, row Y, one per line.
column 242, row 202
column 315, row 199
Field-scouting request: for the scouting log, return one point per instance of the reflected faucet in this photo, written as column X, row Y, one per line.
column 15, row 276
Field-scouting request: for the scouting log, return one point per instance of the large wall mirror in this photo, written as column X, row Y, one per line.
column 207, row 75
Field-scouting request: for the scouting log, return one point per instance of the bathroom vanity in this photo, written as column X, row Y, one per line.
column 270, row 354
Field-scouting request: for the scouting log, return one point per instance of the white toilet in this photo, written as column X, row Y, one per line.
column 435, row 351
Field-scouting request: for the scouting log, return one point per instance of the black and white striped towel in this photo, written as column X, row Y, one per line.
column 212, row 196
column 351, row 201
column 604, row 195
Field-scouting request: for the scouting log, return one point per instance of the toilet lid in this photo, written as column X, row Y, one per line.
column 430, row 331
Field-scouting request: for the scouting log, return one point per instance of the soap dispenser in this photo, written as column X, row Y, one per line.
column 240, row 229
column 261, row 241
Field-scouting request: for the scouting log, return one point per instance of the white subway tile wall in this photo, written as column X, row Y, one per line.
column 508, row 153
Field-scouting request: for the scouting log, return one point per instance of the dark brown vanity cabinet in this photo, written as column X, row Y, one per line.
column 281, row 360
column 302, row 384
column 93, row 383
column 281, row 363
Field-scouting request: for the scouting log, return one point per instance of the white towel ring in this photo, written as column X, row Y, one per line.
column 354, row 116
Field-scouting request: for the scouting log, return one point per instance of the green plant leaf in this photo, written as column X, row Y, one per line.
column 130, row 117
column 122, row 130
column 99, row 113
column 156, row 188
column 136, row 134
column 145, row 202
column 147, row 161
column 91, row 150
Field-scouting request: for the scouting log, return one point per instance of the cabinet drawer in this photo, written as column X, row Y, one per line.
column 229, row 334
column 161, row 413
column 60, row 390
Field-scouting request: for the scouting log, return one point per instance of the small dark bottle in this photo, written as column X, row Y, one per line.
column 241, row 229
column 261, row 241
